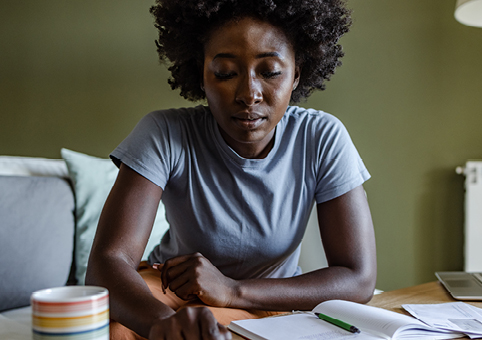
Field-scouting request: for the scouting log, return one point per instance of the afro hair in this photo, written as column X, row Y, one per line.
column 313, row 27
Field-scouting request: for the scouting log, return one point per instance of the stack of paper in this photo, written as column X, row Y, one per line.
column 453, row 316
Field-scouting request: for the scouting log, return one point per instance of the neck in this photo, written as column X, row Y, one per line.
column 253, row 150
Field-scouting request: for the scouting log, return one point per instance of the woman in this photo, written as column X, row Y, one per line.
column 238, row 177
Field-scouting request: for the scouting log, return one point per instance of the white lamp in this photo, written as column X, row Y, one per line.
column 469, row 12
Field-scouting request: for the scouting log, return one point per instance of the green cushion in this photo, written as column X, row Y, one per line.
column 93, row 178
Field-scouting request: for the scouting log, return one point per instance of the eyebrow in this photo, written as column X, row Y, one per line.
column 258, row 56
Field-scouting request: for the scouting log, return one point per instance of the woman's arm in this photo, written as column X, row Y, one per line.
column 122, row 234
column 349, row 242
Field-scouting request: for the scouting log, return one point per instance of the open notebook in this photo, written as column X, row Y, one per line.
column 374, row 324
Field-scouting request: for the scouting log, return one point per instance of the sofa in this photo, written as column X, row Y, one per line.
column 49, row 209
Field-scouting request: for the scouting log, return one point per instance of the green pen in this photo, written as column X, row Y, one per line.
column 339, row 323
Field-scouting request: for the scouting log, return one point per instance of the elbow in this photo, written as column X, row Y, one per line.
column 97, row 267
column 90, row 278
column 366, row 295
column 365, row 285
column 102, row 267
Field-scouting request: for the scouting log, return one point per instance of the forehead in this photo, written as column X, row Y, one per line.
column 248, row 36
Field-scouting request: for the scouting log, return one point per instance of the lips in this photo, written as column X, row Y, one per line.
column 247, row 120
column 248, row 115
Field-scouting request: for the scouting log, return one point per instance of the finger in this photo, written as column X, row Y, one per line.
column 175, row 283
column 210, row 328
column 211, row 333
column 192, row 319
column 172, row 262
column 224, row 332
column 159, row 267
column 170, row 270
column 172, row 277
column 164, row 281
column 184, row 288
column 167, row 329
column 176, row 266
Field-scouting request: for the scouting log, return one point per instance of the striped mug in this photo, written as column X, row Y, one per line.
column 70, row 313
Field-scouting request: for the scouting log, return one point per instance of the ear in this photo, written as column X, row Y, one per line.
column 296, row 79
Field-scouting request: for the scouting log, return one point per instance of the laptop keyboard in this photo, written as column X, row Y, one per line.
column 478, row 276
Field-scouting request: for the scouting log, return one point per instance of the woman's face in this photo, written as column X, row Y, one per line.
column 248, row 76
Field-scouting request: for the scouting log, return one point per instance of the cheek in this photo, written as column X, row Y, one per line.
column 218, row 92
column 281, row 90
column 214, row 97
column 282, row 94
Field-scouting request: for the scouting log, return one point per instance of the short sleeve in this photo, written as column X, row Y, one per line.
column 148, row 149
column 340, row 167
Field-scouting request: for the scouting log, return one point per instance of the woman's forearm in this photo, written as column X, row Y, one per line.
column 131, row 302
column 121, row 236
column 304, row 292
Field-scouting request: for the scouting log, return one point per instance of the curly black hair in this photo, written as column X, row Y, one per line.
column 312, row 26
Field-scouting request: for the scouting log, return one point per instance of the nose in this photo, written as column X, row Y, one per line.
column 249, row 91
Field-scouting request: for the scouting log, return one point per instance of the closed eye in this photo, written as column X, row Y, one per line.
column 224, row 76
column 269, row 75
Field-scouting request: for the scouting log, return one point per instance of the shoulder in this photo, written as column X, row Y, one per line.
column 315, row 122
column 163, row 129
column 173, row 123
column 309, row 115
column 178, row 115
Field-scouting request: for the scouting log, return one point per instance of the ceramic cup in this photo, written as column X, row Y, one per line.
column 70, row 313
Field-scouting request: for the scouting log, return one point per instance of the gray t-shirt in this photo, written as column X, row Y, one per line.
column 247, row 216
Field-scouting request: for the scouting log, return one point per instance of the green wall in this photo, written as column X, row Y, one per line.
column 81, row 74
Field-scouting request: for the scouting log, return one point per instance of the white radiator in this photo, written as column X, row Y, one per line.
column 473, row 215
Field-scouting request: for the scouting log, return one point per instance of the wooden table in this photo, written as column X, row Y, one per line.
column 432, row 292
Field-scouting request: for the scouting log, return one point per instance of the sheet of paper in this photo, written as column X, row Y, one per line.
column 300, row 326
column 456, row 316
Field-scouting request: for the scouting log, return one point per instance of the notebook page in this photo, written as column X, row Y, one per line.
column 298, row 326
column 380, row 321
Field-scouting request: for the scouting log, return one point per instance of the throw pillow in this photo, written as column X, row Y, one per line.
column 92, row 179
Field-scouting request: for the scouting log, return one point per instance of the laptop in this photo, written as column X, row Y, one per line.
column 462, row 285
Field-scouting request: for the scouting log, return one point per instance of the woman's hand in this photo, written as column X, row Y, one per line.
column 190, row 323
column 192, row 276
